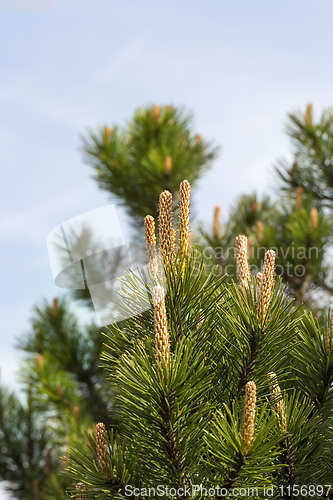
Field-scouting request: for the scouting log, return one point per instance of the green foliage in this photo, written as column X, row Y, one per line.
column 299, row 237
column 66, row 391
column 67, row 370
column 28, row 452
column 131, row 163
column 312, row 168
column 247, row 212
column 180, row 422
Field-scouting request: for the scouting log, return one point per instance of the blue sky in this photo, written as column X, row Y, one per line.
column 239, row 66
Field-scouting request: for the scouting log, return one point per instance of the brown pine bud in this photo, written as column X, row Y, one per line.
column 243, row 269
column 107, row 135
column 102, row 452
column 55, row 307
column 217, row 223
column 293, row 169
column 329, row 336
column 59, row 390
column 184, row 216
column 40, row 361
column 76, row 411
column 198, row 139
column 259, row 231
column 278, row 402
column 165, row 224
column 247, row 428
column 265, row 295
column 80, row 487
column 149, row 223
column 156, row 112
column 254, row 206
column 308, row 114
column 313, row 219
column 298, row 198
column 162, row 340
column 168, row 163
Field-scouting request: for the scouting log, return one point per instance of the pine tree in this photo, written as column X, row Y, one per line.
column 153, row 153
column 300, row 233
column 28, row 460
column 65, row 392
column 312, row 168
column 218, row 385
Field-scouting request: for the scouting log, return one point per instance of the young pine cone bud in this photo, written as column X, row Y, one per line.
column 313, row 219
column 254, row 206
column 217, row 223
column 162, row 340
column 55, row 307
column 329, row 336
column 259, row 231
column 103, row 457
column 80, row 487
column 40, row 361
column 243, row 270
column 298, row 198
column 247, row 428
column 107, row 134
column 156, row 112
column 265, row 295
column 168, row 164
column 184, row 216
column 151, row 243
column 308, row 114
column 165, row 224
column 278, row 402
column 76, row 411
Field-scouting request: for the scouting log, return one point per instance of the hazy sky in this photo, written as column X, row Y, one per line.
column 240, row 66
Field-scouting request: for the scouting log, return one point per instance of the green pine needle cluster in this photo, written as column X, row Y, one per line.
column 180, row 422
column 154, row 152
